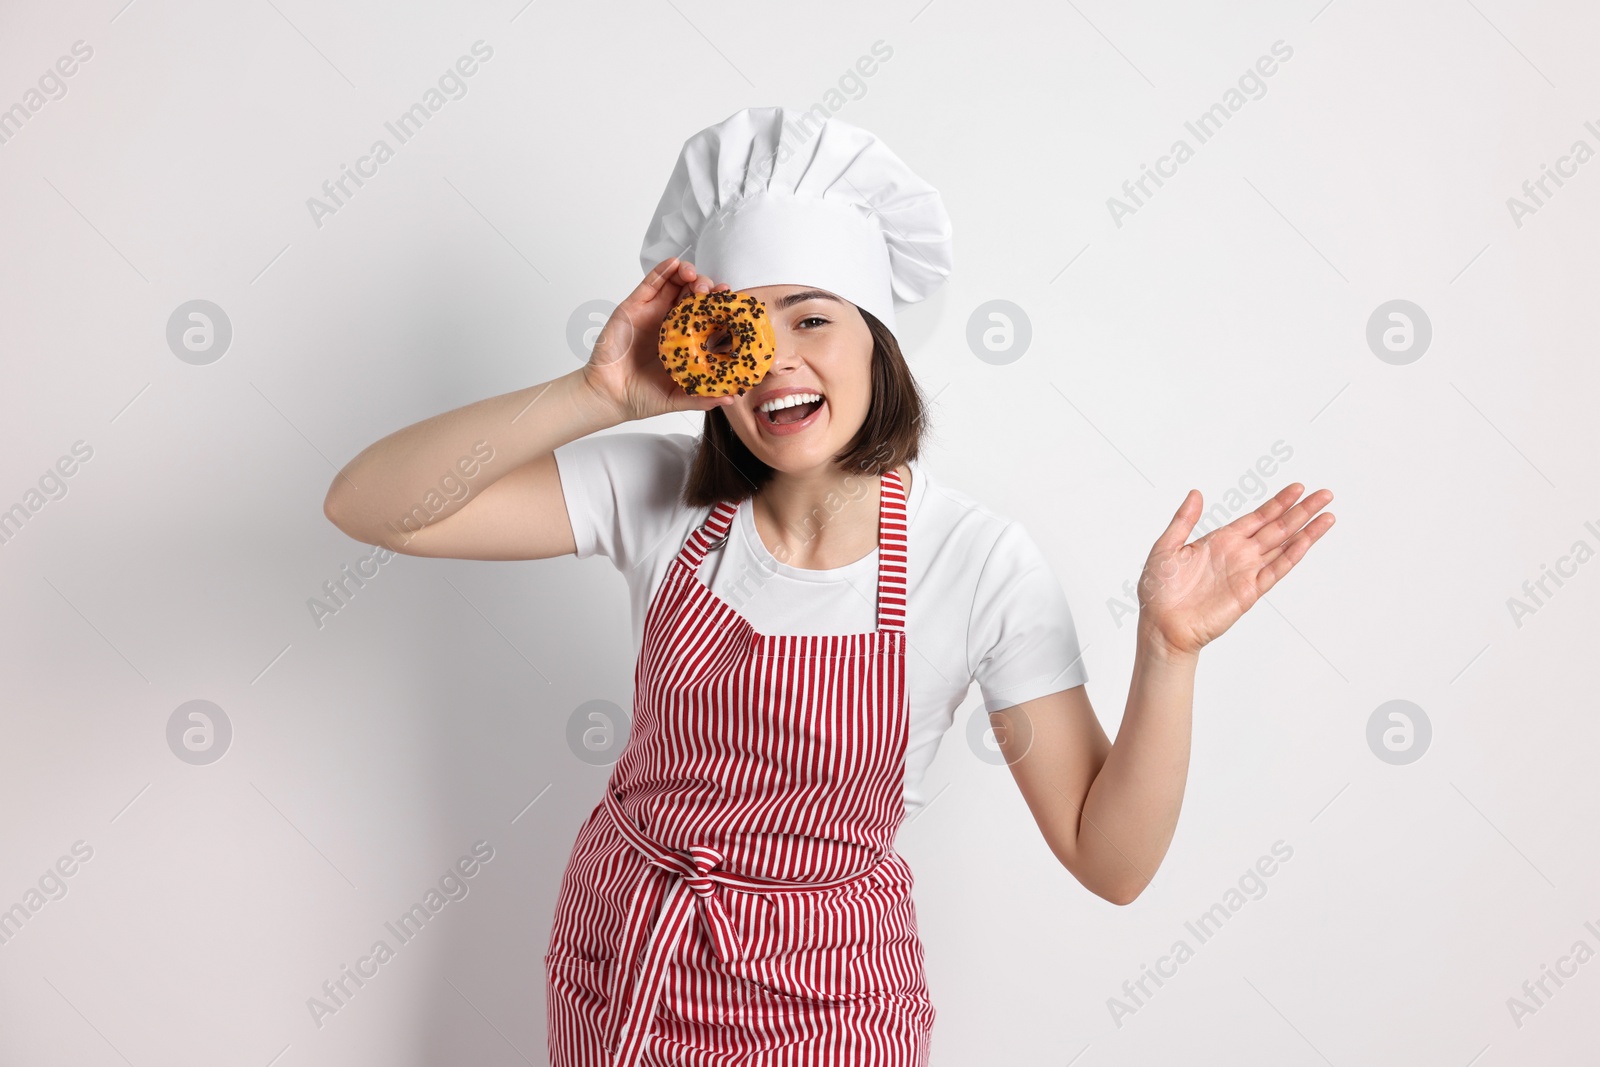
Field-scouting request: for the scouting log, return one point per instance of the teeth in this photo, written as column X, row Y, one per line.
column 789, row 401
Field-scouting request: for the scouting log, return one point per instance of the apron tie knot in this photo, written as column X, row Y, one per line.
column 703, row 860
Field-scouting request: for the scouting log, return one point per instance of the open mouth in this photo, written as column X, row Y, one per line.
column 792, row 414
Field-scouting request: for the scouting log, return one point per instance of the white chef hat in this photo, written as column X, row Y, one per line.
column 769, row 196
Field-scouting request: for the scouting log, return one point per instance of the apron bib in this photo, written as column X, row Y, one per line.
column 735, row 897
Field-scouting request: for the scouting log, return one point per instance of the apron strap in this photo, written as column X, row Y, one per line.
column 707, row 535
column 891, row 551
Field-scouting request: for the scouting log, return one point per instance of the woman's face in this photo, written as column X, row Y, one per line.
column 823, row 347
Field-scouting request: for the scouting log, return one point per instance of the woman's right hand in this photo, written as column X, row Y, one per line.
column 625, row 369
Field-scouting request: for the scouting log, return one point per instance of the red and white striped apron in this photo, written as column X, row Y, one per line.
column 736, row 898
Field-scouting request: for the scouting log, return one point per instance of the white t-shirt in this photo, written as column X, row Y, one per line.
column 981, row 600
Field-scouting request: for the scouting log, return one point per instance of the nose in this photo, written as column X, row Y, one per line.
column 784, row 359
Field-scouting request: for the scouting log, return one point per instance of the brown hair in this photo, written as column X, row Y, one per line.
column 724, row 469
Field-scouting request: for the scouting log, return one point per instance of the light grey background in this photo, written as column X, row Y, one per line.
column 1229, row 312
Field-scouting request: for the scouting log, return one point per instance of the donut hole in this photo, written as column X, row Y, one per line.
column 720, row 342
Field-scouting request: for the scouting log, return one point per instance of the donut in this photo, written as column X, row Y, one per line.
column 717, row 343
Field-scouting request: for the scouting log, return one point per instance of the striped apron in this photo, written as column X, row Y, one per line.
column 736, row 898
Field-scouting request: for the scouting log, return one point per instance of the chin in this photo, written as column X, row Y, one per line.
column 796, row 457
column 797, row 461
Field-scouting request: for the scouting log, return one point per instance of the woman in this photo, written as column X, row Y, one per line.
column 809, row 608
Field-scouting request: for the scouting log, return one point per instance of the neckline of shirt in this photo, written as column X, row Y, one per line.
column 755, row 549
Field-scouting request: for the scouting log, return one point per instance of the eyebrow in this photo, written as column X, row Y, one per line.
column 785, row 302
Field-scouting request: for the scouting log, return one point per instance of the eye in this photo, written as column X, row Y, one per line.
column 813, row 318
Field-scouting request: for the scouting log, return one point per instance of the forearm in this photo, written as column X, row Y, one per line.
column 1131, row 810
column 395, row 482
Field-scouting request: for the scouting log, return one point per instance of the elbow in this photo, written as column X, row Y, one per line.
column 333, row 509
column 1119, row 892
column 1122, row 896
column 1120, row 887
column 330, row 509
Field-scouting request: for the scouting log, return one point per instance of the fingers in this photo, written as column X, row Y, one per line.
column 658, row 277
column 699, row 284
column 1314, row 528
column 1275, row 531
column 1282, row 560
column 1270, row 509
column 664, row 277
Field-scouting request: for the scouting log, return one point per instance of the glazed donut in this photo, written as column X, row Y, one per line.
column 717, row 343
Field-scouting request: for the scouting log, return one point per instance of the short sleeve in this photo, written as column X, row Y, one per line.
column 623, row 492
column 1021, row 639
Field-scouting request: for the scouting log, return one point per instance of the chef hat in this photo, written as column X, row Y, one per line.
column 769, row 197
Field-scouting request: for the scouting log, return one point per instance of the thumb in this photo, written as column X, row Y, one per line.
column 1182, row 524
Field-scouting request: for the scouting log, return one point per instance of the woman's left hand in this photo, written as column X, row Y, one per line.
column 1190, row 594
